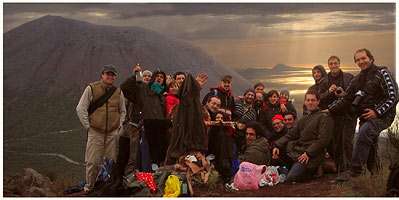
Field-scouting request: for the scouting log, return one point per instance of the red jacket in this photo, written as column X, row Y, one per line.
column 171, row 100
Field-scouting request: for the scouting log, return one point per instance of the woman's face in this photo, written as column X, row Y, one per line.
column 173, row 88
column 273, row 99
column 219, row 117
column 317, row 74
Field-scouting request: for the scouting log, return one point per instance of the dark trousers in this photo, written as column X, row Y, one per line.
column 155, row 132
column 365, row 149
column 341, row 145
column 299, row 173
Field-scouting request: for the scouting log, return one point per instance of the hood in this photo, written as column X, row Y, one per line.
column 321, row 68
column 152, row 80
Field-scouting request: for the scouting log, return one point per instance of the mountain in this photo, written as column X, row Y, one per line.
column 259, row 73
column 49, row 61
column 56, row 52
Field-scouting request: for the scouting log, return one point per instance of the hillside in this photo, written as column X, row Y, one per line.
column 52, row 56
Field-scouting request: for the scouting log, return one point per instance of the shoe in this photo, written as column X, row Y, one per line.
column 342, row 178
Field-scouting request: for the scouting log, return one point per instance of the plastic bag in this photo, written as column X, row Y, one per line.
column 272, row 177
column 249, row 175
column 172, row 186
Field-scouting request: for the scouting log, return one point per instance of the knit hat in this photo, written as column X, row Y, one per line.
column 147, row 72
column 285, row 90
column 249, row 90
column 278, row 117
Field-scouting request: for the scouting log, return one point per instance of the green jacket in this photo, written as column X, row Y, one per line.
column 256, row 152
column 312, row 134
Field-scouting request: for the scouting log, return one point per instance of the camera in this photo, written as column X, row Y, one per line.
column 338, row 90
column 358, row 97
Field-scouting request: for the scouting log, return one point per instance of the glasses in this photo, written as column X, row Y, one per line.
column 289, row 119
column 277, row 123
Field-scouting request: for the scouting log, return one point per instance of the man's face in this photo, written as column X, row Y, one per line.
column 159, row 78
column 259, row 96
column 180, row 78
column 214, row 104
column 311, row 102
column 317, row 75
column 289, row 121
column 108, row 78
column 259, row 89
column 249, row 97
column 334, row 66
column 250, row 135
column 273, row 99
column 278, row 125
column 362, row 60
column 226, row 85
column 284, row 96
column 146, row 78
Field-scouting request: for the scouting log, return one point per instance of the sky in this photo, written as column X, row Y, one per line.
column 243, row 35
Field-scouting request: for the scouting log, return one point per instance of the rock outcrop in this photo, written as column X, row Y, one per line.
column 29, row 183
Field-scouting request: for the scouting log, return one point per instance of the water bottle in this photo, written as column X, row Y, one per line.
column 139, row 76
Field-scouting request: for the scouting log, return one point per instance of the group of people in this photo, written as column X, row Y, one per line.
column 258, row 127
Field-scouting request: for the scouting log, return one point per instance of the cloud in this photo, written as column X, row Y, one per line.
column 216, row 20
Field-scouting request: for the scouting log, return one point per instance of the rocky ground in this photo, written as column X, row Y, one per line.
column 30, row 183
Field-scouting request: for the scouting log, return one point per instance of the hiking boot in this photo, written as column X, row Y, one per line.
column 346, row 176
column 342, row 178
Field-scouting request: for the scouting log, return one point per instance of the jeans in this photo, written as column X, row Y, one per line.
column 299, row 172
column 367, row 135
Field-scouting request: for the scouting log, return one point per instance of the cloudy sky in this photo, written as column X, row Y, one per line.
column 242, row 35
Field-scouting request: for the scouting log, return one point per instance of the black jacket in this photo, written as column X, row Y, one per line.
column 381, row 94
column 226, row 98
column 342, row 80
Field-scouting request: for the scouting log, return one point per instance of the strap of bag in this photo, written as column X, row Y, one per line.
column 100, row 101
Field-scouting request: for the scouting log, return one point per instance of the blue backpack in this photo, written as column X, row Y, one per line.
column 107, row 171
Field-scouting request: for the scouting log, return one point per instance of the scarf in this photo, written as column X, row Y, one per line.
column 157, row 88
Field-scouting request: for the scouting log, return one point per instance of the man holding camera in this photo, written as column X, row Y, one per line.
column 372, row 95
column 341, row 145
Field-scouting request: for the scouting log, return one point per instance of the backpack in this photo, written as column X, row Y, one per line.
column 108, row 182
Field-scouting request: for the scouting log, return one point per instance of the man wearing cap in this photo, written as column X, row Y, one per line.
column 224, row 92
column 279, row 129
column 102, row 119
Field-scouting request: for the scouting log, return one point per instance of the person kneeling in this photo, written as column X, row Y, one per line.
column 304, row 144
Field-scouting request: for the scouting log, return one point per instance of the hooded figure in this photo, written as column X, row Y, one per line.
column 188, row 133
column 321, row 86
column 151, row 97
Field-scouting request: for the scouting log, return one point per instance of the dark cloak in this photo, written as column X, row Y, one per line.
column 188, row 132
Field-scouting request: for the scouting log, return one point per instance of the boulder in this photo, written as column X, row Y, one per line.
column 30, row 183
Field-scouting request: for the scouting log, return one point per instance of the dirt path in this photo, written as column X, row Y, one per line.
column 325, row 186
